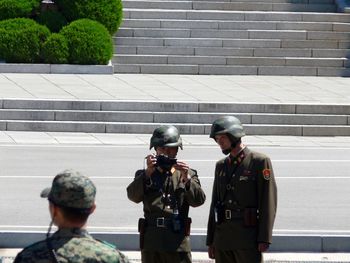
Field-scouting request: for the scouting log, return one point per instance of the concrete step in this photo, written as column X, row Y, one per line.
column 246, row 52
column 190, row 117
column 164, row 106
column 238, row 43
column 230, row 70
column 235, row 25
column 235, row 15
column 233, row 34
column 124, row 127
column 225, row 60
column 330, row 2
column 237, row 6
column 171, row 117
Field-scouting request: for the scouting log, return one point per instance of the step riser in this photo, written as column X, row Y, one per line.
column 235, row 25
column 238, row 43
column 318, row 2
column 257, row 6
column 184, row 129
column 253, row 52
column 193, row 117
column 230, row 61
column 157, row 106
column 238, row 16
column 231, row 70
column 233, row 34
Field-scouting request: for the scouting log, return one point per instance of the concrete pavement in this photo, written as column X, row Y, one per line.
column 66, row 138
column 248, row 89
column 201, row 257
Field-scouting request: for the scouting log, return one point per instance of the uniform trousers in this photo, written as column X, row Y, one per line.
column 238, row 256
column 165, row 257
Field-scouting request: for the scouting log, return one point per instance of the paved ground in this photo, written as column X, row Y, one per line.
column 259, row 89
column 268, row 89
column 201, row 257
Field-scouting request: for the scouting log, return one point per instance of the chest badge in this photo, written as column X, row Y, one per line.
column 267, row 174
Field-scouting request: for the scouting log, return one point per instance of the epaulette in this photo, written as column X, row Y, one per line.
column 107, row 243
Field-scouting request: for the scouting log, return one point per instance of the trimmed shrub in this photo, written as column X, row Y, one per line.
column 21, row 40
column 55, row 49
column 108, row 12
column 54, row 20
column 17, row 8
column 89, row 42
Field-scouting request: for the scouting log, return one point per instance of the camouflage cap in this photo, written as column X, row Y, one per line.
column 72, row 190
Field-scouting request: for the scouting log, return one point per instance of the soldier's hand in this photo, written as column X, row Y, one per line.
column 183, row 168
column 211, row 252
column 151, row 161
column 262, row 247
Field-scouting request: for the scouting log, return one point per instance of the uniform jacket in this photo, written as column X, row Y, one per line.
column 148, row 190
column 71, row 245
column 252, row 186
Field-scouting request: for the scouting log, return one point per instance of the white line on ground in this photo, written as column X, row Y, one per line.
column 282, row 161
column 201, row 177
column 78, row 144
column 133, row 228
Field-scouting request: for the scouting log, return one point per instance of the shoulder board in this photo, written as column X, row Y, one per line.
column 107, row 243
column 194, row 172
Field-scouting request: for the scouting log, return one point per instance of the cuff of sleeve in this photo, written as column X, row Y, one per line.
column 147, row 180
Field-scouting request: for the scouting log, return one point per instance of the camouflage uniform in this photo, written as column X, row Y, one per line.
column 244, row 200
column 71, row 245
column 71, row 190
column 161, row 243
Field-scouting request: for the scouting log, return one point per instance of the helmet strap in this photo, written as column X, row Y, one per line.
column 49, row 230
column 234, row 143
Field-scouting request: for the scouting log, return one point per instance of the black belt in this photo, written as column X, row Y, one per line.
column 233, row 214
column 161, row 222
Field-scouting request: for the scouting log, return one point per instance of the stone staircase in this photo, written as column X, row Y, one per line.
column 189, row 117
column 275, row 37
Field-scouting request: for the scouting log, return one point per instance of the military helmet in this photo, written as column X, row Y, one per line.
column 227, row 124
column 166, row 136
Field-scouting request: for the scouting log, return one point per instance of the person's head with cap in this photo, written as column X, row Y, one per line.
column 71, row 198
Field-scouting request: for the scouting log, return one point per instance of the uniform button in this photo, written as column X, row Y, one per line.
column 235, row 203
column 230, row 201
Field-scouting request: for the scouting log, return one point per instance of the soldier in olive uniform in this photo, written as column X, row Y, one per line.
column 71, row 201
column 244, row 198
column 167, row 187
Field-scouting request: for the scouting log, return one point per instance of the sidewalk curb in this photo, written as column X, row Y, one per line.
column 56, row 68
column 130, row 241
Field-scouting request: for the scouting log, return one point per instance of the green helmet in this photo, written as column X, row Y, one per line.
column 167, row 135
column 227, row 124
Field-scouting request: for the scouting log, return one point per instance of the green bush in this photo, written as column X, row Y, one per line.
column 55, row 49
column 54, row 20
column 17, row 8
column 108, row 12
column 21, row 40
column 88, row 41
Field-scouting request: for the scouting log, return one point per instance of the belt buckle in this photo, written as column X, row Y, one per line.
column 160, row 222
column 228, row 214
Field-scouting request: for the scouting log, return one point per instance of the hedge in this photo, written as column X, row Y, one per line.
column 17, row 8
column 107, row 12
column 55, row 49
column 89, row 42
column 21, row 40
